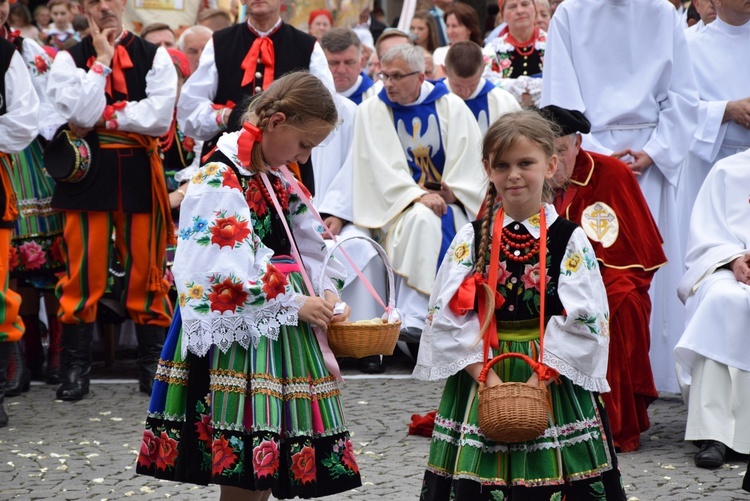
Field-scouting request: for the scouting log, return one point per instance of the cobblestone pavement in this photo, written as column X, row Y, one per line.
column 87, row 450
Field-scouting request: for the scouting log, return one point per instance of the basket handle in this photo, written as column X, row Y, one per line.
column 541, row 370
column 383, row 256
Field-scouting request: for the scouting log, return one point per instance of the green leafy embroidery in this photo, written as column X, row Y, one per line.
column 556, row 497
column 498, row 496
column 591, row 322
column 597, row 490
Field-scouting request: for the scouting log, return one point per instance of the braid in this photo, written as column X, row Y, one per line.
column 484, row 241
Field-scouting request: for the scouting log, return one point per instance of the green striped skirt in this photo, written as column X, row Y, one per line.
column 266, row 417
column 35, row 253
column 573, row 459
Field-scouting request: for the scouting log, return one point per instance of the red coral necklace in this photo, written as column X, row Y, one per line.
column 519, row 248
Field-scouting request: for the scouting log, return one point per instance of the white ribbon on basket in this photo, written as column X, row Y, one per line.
column 390, row 311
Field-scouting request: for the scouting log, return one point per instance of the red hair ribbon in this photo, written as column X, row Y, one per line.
column 248, row 137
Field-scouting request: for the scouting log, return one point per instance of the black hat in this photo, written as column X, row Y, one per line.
column 569, row 121
column 69, row 158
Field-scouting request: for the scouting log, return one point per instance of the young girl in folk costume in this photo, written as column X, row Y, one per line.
column 574, row 458
column 245, row 395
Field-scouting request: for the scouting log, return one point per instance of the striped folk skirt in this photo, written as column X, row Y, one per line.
column 573, row 459
column 266, row 417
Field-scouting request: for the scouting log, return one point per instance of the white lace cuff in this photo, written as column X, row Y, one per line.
column 444, row 371
column 198, row 335
column 585, row 381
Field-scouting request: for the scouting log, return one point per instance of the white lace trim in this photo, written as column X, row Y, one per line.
column 198, row 335
column 444, row 371
column 598, row 384
column 491, row 449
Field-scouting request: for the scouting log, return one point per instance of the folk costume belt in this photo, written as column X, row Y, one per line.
column 162, row 226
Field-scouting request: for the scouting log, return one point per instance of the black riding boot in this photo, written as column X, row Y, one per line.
column 150, row 342
column 76, row 360
column 4, row 357
column 32, row 346
column 18, row 377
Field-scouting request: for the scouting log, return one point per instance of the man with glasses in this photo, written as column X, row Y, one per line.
column 418, row 195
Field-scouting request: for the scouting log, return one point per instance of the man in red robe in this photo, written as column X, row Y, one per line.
column 601, row 194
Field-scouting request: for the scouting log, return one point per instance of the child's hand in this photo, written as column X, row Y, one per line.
column 341, row 317
column 316, row 311
column 534, row 380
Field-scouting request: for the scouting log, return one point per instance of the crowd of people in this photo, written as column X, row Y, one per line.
column 192, row 166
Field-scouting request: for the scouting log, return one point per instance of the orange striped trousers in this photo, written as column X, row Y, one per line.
column 87, row 238
column 11, row 325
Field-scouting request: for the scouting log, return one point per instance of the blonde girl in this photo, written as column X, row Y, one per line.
column 243, row 396
column 574, row 458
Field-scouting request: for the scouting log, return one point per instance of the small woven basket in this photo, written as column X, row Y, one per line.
column 364, row 340
column 512, row 412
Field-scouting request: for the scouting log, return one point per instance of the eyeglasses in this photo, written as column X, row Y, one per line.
column 396, row 77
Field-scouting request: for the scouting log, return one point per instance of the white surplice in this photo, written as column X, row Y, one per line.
column 386, row 191
column 195, row 114
column 499, row 102
column 639, row 92
column 19, row 123
column 332, row 167
column 718, row 309
column 722, row 71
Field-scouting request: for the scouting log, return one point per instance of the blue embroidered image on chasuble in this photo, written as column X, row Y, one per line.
column 418, row 129
column 479, row 106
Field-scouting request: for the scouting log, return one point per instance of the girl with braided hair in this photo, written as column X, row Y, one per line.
column 246, row 394
column 574, row 458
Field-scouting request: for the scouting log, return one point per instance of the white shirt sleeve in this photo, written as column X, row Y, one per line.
column 77, row 95
column 18, row 126
column 152, row 116
column 38, row 63
column 195, row 113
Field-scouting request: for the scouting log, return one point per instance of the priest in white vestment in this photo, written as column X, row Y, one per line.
column 409, row 136
column 721, row 62
column 707, row 14
column 714, row 362
column 625, row 65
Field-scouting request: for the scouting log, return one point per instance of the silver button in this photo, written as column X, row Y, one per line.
column 513, row 280
column 258, row 89
column 516, row 252
column 516, row 227
column 258, row 74
column 511, row 308
column 259, row 61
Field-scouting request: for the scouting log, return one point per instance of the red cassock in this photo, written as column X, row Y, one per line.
column 604, row 198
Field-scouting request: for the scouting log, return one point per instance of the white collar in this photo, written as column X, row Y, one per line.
column 424, row 91
column 265, row 33
column 532, row 224
column 351, row 90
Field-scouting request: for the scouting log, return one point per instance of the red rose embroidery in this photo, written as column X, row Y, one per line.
column 303, row 465
column 32, row 255
column 348, row 457
column 223, row 456
column 255, row 200
column 149, row 449
column 204, row 428
column 228, row 231
column 167, row 452
column 266, row 458
column 14, row 258
column 274, row 282
column 41, row 64
column 188, row 144
column 55, row 251
column 230, row 180
column 227, row 296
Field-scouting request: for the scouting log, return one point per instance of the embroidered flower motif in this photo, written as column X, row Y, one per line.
column 461, row 252
column 348, row 457
column 198, row 178
column 229, row 231
column 199, row 224
column 183, row 299
column 149, row 449
column 204, row 428
column 32, row 255
column 55, row 250
column 572, row 263
column 98, row 68
column 14, row 258
column 303, row 465
column 188, row 144
column 266, row 459
column 230, row 180
column 195, row 291
column 227, row 296
column 503, row 275
column 185, row 234
column 211, row 169
column 531, row 277
column 535, row 221
column 167, row 451
column 274, row 282
column 41, row 64
column 223, row 456
column 255, row 199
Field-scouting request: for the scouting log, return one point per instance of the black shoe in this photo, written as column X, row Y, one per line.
column 372, row 365
column 150, row 343
column 711, row 455
column 4, row 357
column 76, row 361
column 18, row 375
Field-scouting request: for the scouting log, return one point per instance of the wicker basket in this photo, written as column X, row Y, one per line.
column 357, row 340
column 512, row 412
